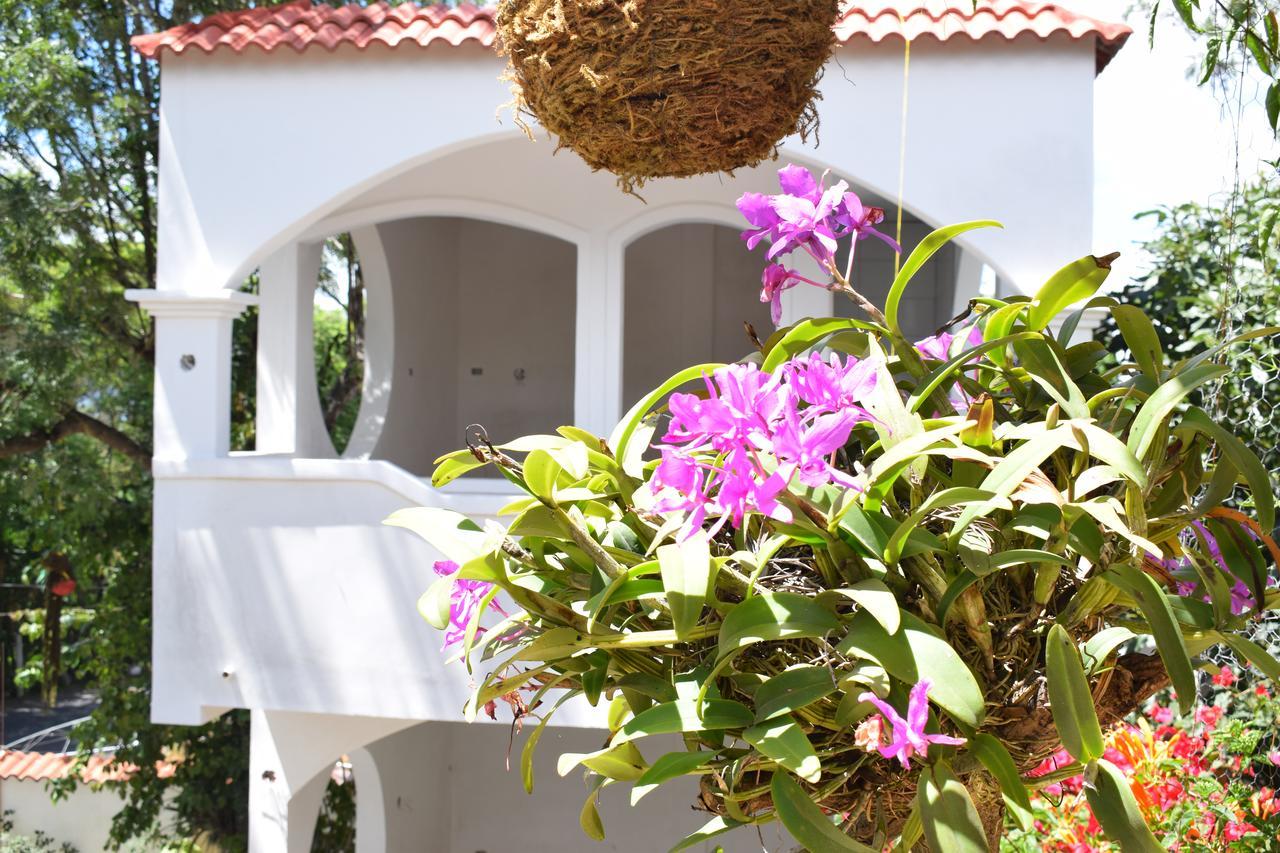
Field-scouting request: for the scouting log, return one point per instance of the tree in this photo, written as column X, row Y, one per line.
column 78, row 155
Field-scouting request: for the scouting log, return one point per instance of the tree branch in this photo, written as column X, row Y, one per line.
column 76, row 422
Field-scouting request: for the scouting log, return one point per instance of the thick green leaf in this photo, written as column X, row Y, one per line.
column 710, row 829
column 434, row 604
column 451, row 466
column 589, row 819
column 999, row 763
column 916, row 653
column 947, row 812
column 1244, row 460
column 1073, row 283
column 1101, row 645
column 666, row 768
column 1155, row 608
column 457, row 537
column 541, row 471
column 526, row 754
column 620, row 761
column 687, row 571
column 792, row 689
column 1254, row 654
column 620, row 439
column 1147, row 422
column 1141, row 339
column 805, row 334
column 875, row 597
column 682, row 716
column 983, row 564
column 805, row 821
column 1070, row 699
column 774, row 616
column 1112, row 802
column 955, row 496
column 782, row 740
column 955, row 588
column 918, row 257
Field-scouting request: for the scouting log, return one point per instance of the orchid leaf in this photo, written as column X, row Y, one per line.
column 917, row 259
column 795, row 688
column 805, row 821
column 687, row 572
column 1155, row 608
column 1113, row 804
column 666, row 768
column 1070, row 698
column 682, row 716
column 774, row 616
column 782, row 740
column 947, row 813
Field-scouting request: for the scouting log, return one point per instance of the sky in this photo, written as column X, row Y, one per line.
column 1158, row 137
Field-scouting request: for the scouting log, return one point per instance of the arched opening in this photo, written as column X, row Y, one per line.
column 483, row 332
column 339, row 333
column 688, row 289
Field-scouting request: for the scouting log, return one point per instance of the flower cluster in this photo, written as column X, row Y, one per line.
column 808, row 217
column 464, row 602
column 907, row 736
column 736, row 450
column 1199, row 779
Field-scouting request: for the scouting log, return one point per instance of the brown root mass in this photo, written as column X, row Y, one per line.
column 668, row 88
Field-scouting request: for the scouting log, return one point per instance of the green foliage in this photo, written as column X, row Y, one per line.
column 1007, row 507
column 1213, row 272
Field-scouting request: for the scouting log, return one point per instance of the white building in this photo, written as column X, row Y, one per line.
column 507, row 287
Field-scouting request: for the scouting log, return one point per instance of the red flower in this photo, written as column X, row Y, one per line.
column 1262, row 691
column 1162, row 714
column 1209, row 716
column 1234, row 831
column 1225, row 677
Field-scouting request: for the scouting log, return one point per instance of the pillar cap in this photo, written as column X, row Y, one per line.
column 187, row 304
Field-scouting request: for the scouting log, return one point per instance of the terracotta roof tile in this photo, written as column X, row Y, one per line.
column 301, row 23
column 40, row 766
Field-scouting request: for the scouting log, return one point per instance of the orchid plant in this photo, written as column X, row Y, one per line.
column 873, row 582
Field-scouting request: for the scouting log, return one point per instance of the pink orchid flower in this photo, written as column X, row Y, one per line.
column 908, row 736
column 464, row 602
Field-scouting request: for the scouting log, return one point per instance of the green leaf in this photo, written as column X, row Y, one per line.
column 1273, row 105
column 999, row 763
column 955, row 496
column 620, row 761
column 782, row 740
column 710, row 829
column 620, row 439
column 918, row 257
column 916, row 653
column 687, row 571
column 1186, row 11
column 1254, row 654
column 1141, row 339
column 457, row 537
column 1155, row 608
column 805, row 821
column 939, row 374
column 1070, row 699
column 434, row 604
column 983, row 564
column 955, row 589
column 1259, row 51
column 1073, row 283
column 1147, row 422
column 873, row 596
column 541, row 471
column 681, row 716
column 451, row 466
column 947, row 812
column 1244, row 460
column 792, row 689
column 1101, row 645
column 774, row 616
column 589, row 819
column 805, row 334
column 666, row 768
column 1112, row 802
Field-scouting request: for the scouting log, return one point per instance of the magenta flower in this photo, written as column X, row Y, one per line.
column 804, row 449
column 832, row 386
column 774, row 281
column 757, row 209
column 908, row 737
column 942, row 347
column 464, row 602
column 858, row 220
column 1242, row 597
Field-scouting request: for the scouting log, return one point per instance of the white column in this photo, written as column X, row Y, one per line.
column 289, row 416
column 597, row 379
column 193, row 369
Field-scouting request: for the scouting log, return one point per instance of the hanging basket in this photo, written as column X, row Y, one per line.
column 668, row 88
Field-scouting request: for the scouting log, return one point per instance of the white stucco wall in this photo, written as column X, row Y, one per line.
column 82, row 819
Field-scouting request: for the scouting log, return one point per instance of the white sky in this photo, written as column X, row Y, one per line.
column 1159, row 138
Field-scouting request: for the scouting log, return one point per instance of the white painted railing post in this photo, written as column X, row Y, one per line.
column 193, row 369
column 288, row 405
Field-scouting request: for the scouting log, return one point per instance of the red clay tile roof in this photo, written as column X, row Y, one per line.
column 301, row 23
column 39, row 766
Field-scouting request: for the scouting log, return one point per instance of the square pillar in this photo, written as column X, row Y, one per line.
column 193, row 369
